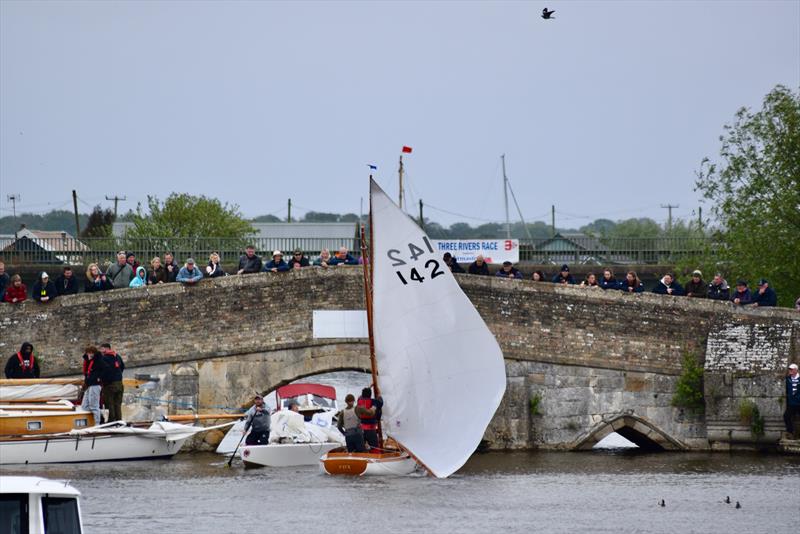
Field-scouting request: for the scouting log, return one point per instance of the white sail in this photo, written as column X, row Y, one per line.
column 441, row 371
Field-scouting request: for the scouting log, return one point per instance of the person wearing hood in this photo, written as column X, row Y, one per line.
column 563, row 277
column 696, row 287
column 44, row 290
column 140, row 279
column 718, row 288
column 189, row 274
column 668, row 286
column 23, row 364
column 276, row 264
column 16, row 292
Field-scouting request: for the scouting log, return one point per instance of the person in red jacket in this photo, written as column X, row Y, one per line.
column 370, row 415
column 16, row 292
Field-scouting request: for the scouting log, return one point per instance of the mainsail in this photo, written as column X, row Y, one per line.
column 441, row 371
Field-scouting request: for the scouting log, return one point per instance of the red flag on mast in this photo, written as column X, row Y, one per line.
column 407, row 149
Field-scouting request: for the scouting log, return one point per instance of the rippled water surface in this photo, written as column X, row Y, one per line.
column 495, row 492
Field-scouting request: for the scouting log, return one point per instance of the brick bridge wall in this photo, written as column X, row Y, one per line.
column 580, row 363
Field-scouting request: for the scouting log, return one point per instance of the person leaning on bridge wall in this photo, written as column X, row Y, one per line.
column 741, row 294
column 451, row 263
column 696, row 287
column 5, row 280
column 669, row 286
column 590, row 281
column 189, row 273
column 130, row 259
column 157, row 274
column 249, row 262
column 96, row 280
column 538, row 276
column 479, row 266
column 67, row 283
column 214, row 268
column 765, row 296
column 608, row 281
column 563, row 277
column 298, row 260
column 120, row 274
column 324, row 259
column 718, row 288
column 632, row 284
column 343, row 257
column 44, row 290
column 509, row 271
column 140, row 280
column 172, row 269
column 276, row 264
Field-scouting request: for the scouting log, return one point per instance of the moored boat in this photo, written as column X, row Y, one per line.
column 42, row 418
column 34, row 505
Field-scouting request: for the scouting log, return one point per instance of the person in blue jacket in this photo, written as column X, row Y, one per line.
column 741, row 295
column 765, row 296
column 669, row 286
column 343, row 257
column 189, row 274
column 140, row 279
column 276, row 264
column 792, row 399
column 508, row 271
column 564, row 277
column 608, row 281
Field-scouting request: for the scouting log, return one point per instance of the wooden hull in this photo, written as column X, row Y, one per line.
column 52, row 421
column 341, row 462
column 71, row 449
column 285, row 454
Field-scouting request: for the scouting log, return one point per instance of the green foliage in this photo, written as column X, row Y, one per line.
column 755, row 193
column 59, row 220
column 184, row 215
column 749, row 414
column 99, row 224
column 689, row 389
column 535, row 403
column 267, row 218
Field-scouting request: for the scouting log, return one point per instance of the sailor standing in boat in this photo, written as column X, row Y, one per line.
column 370, row 416
column 23, row 364
column 349, row 424
column 258, row 418
column 92, row 382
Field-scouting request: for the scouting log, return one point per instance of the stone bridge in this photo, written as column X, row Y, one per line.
column 580, row 363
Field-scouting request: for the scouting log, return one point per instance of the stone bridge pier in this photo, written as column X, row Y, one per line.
column 581, row 363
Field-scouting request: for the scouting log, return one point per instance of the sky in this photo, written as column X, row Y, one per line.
column 606, row 111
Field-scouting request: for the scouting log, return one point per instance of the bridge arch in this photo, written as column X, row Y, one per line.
column 640, row 431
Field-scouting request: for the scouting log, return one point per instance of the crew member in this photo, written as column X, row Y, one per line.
column 370, row 416
column 23, row 364
column 258, row 418
column 92, row 382
column 792, row 399
column 112, row 391
column 349, row 424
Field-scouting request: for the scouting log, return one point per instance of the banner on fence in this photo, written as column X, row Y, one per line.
column 492, row 250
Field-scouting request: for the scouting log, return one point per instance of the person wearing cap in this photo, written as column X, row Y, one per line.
column 792, row 399
column 249, row 262
column 189, row 273
column 765, row 296
column 276, row 264
column 343, row 257
column 451, row 263
column 563, row 277
column 668, row 286
column 120, row 274
column 718, row 288
column 298, row 260
column 696, row 287
column 257, row 418
column 130, row 259
column 479, row 266
column 349, row 423
column 508, row 271
column 44, row 290
column 741, row 294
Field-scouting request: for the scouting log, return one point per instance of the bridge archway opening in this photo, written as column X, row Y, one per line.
column 345, row 381
column 638, row 430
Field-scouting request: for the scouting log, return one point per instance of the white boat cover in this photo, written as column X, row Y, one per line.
column 320, row 428
column 39, row 392
column 440, row 370
column 158, row 430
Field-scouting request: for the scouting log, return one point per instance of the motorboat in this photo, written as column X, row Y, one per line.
column 34, row 505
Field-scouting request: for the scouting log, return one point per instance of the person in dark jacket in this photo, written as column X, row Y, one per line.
column 276, row 264
column 130, row 259
column 792, row 399
column 214, row 268
column 23, row 364
column 96, row 280
column 249, row 263
column 696, row 287
column 668, row 286
column 718, row 288
column 479, row 266
column 631, row 284
column 298, row 260
column 741, row 295
column 172, row 269
column 608, row 281
column 92, row 382
column 67, row 284
column 157, row 274
column 563, row 277
column 451, row 263
column 257, row 418
column 113, row 367
column 765, row 296
column 44, row 290
column 343, row 257
column 370, row 416
column 5, row 280
column 508, row 271
column 16, row 292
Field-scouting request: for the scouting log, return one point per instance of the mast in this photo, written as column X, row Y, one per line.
column 367, row 269
column 400, row 195
column 505, row 196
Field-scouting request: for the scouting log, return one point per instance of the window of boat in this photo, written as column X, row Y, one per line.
column 80, row 423
column 322, row 401
column 14, row 513
column 61, row 515
column 34, row 425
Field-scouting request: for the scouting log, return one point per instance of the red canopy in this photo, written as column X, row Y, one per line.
column 293, row 390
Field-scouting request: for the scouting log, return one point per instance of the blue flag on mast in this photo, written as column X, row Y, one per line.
column 373, row 167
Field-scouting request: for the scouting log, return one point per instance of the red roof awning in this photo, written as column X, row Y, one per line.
column 293, row 390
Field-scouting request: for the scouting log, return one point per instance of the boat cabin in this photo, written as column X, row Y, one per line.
column 34, row 505
column 311, row 398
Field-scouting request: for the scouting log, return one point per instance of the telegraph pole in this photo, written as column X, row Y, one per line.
column 116, row 200
column 669, row 207
column 289, row 215
column 553, row 220
column 14, row 199
column 77, row 220
column 700, row 218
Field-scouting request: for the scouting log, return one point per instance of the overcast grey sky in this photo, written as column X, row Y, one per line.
column 605, row 111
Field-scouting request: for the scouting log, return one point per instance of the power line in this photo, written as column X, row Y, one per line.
column 116, row 200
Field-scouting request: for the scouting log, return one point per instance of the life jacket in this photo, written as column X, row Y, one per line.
column 26, row 366
column 368, row 422
column 350, row 421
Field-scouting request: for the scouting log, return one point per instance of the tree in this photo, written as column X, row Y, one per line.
column 755, row 193
column 267, row 218
column 99, row 224
column 319, row 216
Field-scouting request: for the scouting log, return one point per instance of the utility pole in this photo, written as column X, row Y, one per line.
column 400, row 195
column 116, row 200
column 700, row 218
column 77, row 220
column 289, row 216
column 553, row 220
column 14, row 199
column 421, row 220
column 669, row 207
column 505, row 196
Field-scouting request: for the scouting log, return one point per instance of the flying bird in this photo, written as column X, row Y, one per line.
column 548, row 14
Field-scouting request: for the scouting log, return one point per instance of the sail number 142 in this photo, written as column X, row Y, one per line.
column 432, row 267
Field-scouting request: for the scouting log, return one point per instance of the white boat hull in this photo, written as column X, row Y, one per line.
column 71, row 449
column 285, row 454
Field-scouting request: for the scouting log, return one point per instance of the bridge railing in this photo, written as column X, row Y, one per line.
column 575, row 250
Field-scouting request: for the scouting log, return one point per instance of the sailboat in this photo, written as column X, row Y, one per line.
column 434, row 361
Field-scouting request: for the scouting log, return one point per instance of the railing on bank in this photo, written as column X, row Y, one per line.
column 575, row 250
